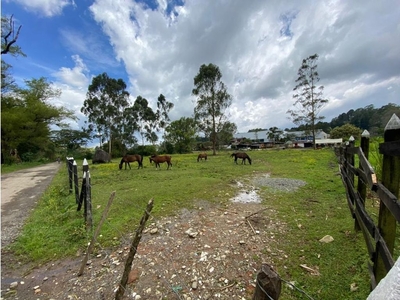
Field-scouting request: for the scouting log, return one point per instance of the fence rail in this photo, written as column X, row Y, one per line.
column 379, row 238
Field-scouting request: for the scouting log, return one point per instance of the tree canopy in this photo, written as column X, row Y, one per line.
column 182, row 134
column 105, row 104
column 27, row 117
column 345, row 132
column 212, row 101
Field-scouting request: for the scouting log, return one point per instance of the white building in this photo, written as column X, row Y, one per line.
column 260, row 139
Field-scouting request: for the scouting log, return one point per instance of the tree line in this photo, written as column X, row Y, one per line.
column 34, row 128
column 368, row 118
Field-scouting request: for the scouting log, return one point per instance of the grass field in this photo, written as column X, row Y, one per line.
column 55, row 229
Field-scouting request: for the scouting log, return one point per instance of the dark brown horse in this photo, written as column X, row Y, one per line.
column 201, row 156
column 127, row 159
column 159, row 159
column 241, row 155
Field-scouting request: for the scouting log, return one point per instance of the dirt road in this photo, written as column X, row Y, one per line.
column 20, row 192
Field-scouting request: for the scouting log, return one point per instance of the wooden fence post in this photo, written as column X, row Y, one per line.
column 75, row 167
column 88, row 197
column 351, row 160
column 349, row 163
column 361, row 186
column 391, row 180
column 70, row 161
column 89, row 216
column 96, row 233
column 132, row 251
column 268, row 284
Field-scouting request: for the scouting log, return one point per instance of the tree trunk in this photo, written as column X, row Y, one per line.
column 109, row 145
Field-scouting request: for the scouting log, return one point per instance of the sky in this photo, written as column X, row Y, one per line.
column 158, row 46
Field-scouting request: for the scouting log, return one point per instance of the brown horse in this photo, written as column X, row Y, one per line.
column 161, row 159
column 201, row 156
column 127, row 159
column 241, row 155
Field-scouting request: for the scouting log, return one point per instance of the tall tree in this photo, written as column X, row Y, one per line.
column 160, row 120
column 105, row 104
column 212, row 101
column 309, row 97
column 182, row 134
column 145, row 117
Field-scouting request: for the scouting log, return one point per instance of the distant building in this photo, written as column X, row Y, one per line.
column 300, row 139
column 258, row 139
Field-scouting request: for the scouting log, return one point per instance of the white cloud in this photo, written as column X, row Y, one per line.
column 76, row 77
column 258, row 46
column 73, row 82
column 47, row 8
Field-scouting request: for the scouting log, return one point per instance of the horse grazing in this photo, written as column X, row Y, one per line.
column 127, row 159
column 159, row 159
column 241, row 155
column 201, row 156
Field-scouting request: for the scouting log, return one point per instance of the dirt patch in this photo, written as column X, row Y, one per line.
column 211, row 252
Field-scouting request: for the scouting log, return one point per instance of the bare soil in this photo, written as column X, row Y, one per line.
column 210, row 252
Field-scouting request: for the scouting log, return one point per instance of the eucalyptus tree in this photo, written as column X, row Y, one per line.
column 163, row 108
column 212, row 101
column 105, row 105
column 309, row 97
column 148, row 121
column 145, row 117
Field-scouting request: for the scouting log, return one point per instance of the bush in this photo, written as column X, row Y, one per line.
column 28, row 156
column 145, row 150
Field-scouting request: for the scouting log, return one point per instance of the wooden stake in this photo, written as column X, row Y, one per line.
column 135, row 243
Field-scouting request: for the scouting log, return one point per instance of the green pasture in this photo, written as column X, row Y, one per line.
column 55, row 229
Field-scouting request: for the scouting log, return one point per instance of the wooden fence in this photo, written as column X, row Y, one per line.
column 84, row 197
column 379, row 238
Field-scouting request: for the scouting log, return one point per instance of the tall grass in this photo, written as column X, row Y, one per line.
column 55, row 229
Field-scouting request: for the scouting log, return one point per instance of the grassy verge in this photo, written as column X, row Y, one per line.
column 55, row 229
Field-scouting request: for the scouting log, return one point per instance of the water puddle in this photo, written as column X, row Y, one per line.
column 246, row 196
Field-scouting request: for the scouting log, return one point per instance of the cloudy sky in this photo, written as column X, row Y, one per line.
column 158, row 46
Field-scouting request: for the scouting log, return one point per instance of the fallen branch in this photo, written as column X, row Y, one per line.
column 256, row 212
column 312, row 271
column 251, row 227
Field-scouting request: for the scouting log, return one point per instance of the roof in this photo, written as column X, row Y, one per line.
column 252, row 135
column 329, row 141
